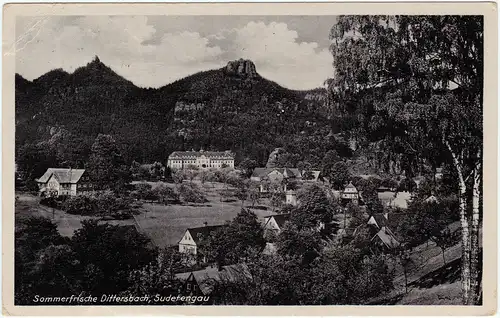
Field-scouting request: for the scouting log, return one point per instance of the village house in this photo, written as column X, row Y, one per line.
column 189, row 244
column 201, row 159
column 350, row 194
column 201, row 282
column 383, row 237
column 394, row 199
column 275, row 222
column 265, row 176
column 64, row 181
column 291, row 197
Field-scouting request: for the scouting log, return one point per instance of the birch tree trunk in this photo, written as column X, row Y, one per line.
column 466, row 246
column 474, row 267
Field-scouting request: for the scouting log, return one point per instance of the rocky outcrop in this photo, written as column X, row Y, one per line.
column 272, row 162
column 241, row 68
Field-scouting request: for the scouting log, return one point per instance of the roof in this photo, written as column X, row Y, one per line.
column 387, row 237
column 196, row 154
column 380, row 219
column 386, row 196
column 203, row 231
column 263, row 172
column 62, row 175
column 401, row 200
column 207, row 276
column 432, row 198
column 270, row 249
column 350, row 188
column 280, row 219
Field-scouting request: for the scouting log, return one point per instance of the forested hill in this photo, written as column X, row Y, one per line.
column 229, row 108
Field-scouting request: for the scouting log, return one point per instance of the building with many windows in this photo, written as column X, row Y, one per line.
column 64, row 181
column 201, row 159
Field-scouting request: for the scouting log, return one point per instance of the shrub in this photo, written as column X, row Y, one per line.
column 54, row 202
column 80, row 205
column 166, row 194
column 191, row 193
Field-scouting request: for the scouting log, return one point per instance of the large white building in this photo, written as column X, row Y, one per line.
column 201, row 159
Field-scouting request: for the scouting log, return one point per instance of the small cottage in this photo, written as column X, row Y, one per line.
column 275, row 222
column 350, row 194
column 202, row 282
column 190, row 241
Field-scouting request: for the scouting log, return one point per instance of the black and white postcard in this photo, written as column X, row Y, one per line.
column 183, row 158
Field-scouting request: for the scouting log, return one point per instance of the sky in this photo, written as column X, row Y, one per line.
column 152, row 51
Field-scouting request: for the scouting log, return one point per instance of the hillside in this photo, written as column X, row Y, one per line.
column 229, row 108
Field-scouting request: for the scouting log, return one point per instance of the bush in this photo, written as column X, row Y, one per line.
column 54, row 202
column 166, row 194
column 191, row 193
column 106, row 204
column 80, row 205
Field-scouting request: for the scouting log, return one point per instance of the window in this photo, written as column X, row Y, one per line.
column 188, row 286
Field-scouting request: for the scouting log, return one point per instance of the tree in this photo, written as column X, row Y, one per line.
column 405, row 66
column 143, row 190
column 33, row 161
column 134, row 169
column 191, row 172
column 108, row 253
column 247, row 166
column 339, row 175
column 191, row 193
column 36, row 237
column 106, row 165
column 347, row 276
column 178, row 176
column 304, row 243
column 80, row 205
column 314, row 208
column 254, row 194
column 165, row 194
column 238, row 241
column 242, row 192
column 157, row 277
column 328, row 161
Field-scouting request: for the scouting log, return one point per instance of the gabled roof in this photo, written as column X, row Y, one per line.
column 350, row 188
column 280, row 219
column 204, row 231
column 62, row 175
column 387, row 237
column 432, row 198
column 260, row 172
column 380, row 219
column 263, row 172
column 207, row 276
column 195, row 154
column 392, row 220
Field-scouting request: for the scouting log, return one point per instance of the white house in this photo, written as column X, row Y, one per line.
column 201, row 159
column 350, row 193
column 276, row 222
column 291, row 197
column 64, row 181
column 190, row 241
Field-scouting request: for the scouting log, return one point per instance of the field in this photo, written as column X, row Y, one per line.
column 165, row 224
column 28, row 205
